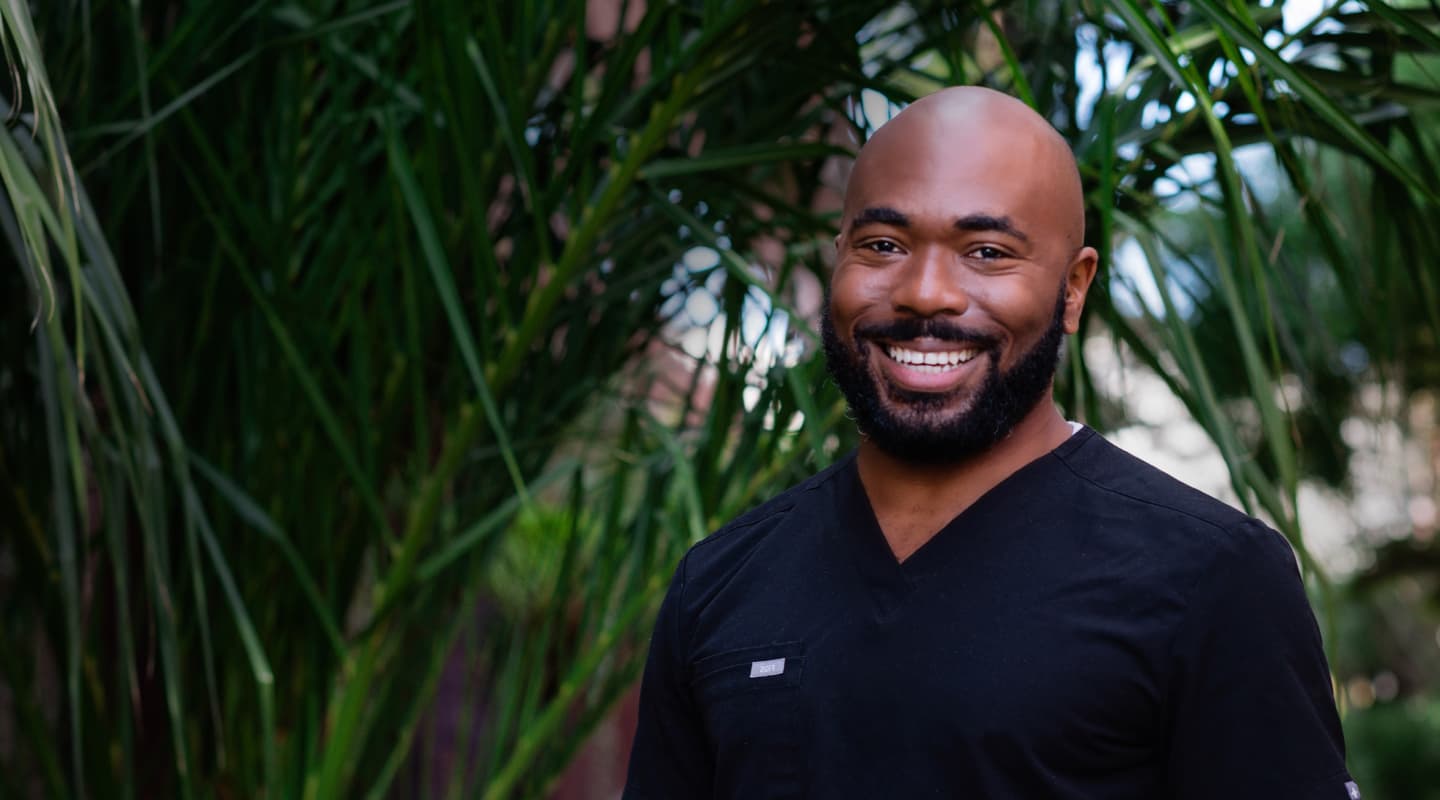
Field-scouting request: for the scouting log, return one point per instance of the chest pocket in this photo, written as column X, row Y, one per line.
column 751, row 702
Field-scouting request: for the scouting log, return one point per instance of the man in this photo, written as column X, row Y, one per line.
column 984, row 601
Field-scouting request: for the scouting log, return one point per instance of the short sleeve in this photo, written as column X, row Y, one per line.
column 670, row 757
column 1252, row 714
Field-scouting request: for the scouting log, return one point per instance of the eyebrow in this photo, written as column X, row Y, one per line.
column 879, row 215
column 884, row 215
column 985, row 222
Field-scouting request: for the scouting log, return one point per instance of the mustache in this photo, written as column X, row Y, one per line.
column 922, row 327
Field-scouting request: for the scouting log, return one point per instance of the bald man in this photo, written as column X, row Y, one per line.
column 984, row 600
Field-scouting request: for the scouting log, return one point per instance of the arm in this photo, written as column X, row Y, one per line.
column 671, row 756
column 1252, row 715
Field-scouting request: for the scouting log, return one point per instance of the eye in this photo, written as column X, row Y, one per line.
column 988, row 253
column 880, row 246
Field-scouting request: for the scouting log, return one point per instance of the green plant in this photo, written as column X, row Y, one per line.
column 406, row 378
column 432, row 281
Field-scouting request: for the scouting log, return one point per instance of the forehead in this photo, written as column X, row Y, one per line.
column 936, row 173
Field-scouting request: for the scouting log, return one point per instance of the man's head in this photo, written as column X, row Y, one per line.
column 961, row 266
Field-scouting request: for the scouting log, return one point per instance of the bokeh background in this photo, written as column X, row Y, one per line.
column 365, row 367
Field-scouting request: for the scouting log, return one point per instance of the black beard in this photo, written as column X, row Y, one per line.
column 910, row 426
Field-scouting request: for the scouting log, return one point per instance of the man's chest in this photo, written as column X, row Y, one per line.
column 956, row 682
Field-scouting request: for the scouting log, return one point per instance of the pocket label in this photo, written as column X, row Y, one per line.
column 767, row 669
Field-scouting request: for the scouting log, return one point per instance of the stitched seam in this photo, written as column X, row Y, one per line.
column 810, row 485
column 1190, row 591
column 680, row 610
column 1112, row 490
column 740, row 526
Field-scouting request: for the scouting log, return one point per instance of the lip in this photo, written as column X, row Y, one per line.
column 927, row 344
column 930, row 378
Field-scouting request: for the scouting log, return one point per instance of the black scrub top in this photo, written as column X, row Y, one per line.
column 1090, row 628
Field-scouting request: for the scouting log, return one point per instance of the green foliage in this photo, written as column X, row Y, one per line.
column 1396, row 750
column 412, row 372
column 419, row 287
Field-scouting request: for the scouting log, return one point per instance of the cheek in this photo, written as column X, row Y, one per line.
column 1023, row 308
column 991, row 297
column 848, row 295
column 853, row 290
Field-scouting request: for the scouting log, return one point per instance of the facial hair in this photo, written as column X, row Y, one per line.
column 913, row 426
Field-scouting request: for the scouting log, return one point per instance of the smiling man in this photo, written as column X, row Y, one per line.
column 984, row 600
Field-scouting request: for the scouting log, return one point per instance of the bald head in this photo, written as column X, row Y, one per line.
column 987, row 146
column 960, row 267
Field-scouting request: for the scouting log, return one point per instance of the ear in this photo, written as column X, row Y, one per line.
column 1077, row 285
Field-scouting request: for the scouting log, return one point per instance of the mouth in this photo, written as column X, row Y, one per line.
column 929, row 362
column 928, row 365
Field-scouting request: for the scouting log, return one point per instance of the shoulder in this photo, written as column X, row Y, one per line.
column 751, row 528
column 1179, row 522
column 1229, row 574
column 1126, row 480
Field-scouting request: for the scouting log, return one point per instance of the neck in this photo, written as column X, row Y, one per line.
column 912, row 502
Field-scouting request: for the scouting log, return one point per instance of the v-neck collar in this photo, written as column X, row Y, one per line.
column 891, row 581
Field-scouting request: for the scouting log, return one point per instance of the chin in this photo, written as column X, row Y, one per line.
column 950, row 426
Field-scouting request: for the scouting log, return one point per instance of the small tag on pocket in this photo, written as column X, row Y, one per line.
column 767, row 669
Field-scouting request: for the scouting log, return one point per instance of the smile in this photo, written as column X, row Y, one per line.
column 929, row 362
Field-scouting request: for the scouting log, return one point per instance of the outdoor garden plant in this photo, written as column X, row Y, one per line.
column 366, row 367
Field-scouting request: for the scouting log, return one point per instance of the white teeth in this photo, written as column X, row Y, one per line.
column 930, row 361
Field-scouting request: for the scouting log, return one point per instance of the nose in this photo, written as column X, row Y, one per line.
column 929, row 285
